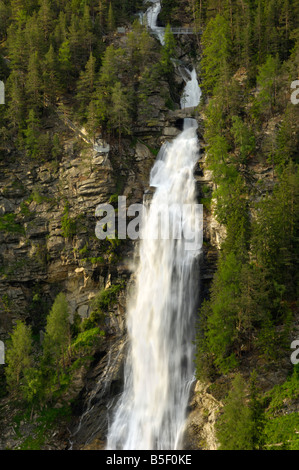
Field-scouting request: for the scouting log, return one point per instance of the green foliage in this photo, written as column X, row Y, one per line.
column 216, row 47
column 8, row 224
column 87, row 340
column 33, row 387
column 59, row 49
column 282, row 433
column 48, row 419
column 32, row 134
column 235, row 425
column 287, row 139
column 42, row 374
column 96, row 317
column 111, row 19
column 106, row 297
column 221, row 315
column 242, row 421
column 275, row 228
column 68, row 224
column 33, row 82
column 34, row 443
column 64, row 59
column 267, row 80
column 281, row 430
column 57, row 334
column 86, row 83
column 248, row 301
column 168, row 51
column 51, row 83
column 18, row 355
column 244, row 139
column 281, row 395
column 251, row 314
column 100, row 305
column 257, row 412
column 119, row 113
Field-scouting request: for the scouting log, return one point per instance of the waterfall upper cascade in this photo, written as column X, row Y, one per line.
column 151, row 411
column 151, row 16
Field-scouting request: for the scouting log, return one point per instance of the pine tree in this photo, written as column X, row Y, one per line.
column 267, row 79
column 92, row 122
column 18, row 48
column 64, row 59
column 76, row 40
column 56, row 147
column 102, row 8
column 4, row 19
column 17, row 7
column 18, row 355
column 235, row 425
column 60, row 31
column 149, row 82
column 86, row 84
column 221, row 333
column 120, row 110
column 17, row 106
column 287, row 139
column 244, row 139
column 32, row 133
column 168, row 50
column 45, row 18
column 87, row 27
column 57, row 335
column 216, row 52
column 111, row 19
column 111, row 65
column 33, row 389
column 271, row 27
column 257, row 413
column 51, row 85
column 259, row 37
column 34, row 82
column 34, row 36
column 275, row 228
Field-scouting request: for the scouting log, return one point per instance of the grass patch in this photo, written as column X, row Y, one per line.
column 8, row 224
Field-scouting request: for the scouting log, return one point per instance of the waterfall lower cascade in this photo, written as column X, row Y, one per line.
column 150, row 413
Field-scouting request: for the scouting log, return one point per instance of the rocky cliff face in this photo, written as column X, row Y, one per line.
column 48, row 240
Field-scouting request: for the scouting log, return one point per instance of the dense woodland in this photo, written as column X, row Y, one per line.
column 250, row 57
column 52, row 51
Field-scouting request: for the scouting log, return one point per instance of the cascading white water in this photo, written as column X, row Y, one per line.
column 159, row 369
column 151, row 411
column 192, row 92
column 151, row 17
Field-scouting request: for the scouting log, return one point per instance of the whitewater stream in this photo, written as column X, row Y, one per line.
column 159, row 370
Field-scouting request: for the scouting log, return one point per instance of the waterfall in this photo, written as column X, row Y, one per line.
column 150, row 18
column 192, row 92
column 151, row 411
